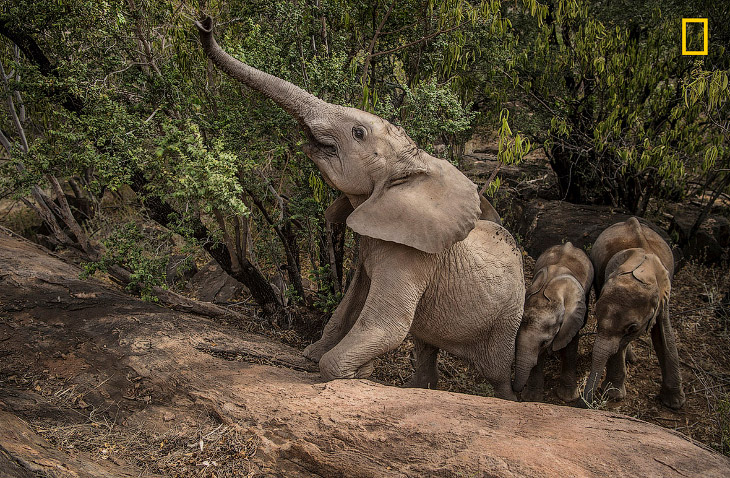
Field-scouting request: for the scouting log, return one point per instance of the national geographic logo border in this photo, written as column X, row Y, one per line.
column 706, row 35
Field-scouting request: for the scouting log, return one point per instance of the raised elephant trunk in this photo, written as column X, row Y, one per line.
column 294, row 100
column 603, row 349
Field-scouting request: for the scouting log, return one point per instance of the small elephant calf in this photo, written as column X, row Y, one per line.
column 634, row 270
column 555, row 310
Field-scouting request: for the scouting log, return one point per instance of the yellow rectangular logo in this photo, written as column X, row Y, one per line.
column 706, row 36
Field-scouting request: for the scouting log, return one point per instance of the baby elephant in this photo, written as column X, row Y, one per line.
column 555, row 310
column 634, row 270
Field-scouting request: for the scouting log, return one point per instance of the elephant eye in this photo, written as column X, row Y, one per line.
column 358, row 132
column 632, row 328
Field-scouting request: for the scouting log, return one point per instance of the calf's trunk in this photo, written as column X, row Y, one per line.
column 603, row 349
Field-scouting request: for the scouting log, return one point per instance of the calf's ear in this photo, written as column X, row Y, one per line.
column 569, row 290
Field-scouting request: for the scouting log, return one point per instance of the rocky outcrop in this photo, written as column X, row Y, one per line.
column 710, row 244
column 211, row 284
column 153, row 372
column 540, row 224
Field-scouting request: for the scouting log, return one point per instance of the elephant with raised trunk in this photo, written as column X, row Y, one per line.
column 634, row 270
column 555, row 310
column 428, row 264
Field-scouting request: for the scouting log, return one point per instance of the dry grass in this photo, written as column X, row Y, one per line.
column 208, row 449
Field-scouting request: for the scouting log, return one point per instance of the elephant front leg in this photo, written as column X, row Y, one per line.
column 425, row 363
column 343, row 317
column 383, row 324
column 567, row 391
column 614, row 385
column 662, row 336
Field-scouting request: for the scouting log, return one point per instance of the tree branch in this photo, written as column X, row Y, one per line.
column 372, row 42
column 26, row 44
column 30, row 49
column 416, row 42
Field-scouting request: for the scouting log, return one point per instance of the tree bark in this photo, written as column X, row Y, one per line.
column 67, row 216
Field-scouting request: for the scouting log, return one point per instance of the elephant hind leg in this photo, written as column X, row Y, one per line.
column 494, row 359
column 424, row 361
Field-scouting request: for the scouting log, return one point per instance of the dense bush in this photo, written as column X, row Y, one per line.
column 109, row 96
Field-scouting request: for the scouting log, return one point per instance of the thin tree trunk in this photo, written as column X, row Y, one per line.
column 235, row 259
column 335, row 249
column 142, row 41
column 708, row 207
column 70, row 220
column 288, row 241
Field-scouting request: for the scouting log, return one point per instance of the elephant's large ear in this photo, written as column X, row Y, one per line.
column 429, row 207
column 574, row 308
column 339, row 210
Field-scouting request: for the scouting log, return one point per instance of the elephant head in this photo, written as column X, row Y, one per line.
column 554, row 311
column 393, row 190
column 637, row 287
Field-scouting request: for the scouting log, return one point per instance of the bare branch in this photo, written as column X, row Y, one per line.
column 372, row 42
column 416, row 42
column 69, row 219
column 5, row 141
column 41, row 208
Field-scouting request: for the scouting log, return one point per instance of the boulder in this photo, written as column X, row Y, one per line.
column 190, row 386
column 180, row 269
column 212, row 284
column 711, row 244
column 540, row 224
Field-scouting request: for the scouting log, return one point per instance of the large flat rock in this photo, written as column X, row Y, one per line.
column 152, row 369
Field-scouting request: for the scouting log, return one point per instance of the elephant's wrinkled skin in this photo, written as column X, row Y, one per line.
column 428, row 264
column 634, row 269
column 555, row 310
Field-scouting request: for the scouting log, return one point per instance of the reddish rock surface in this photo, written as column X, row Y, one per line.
column 152, row 370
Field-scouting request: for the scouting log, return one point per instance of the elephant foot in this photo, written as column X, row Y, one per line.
column 532, row 395
column 613, row 392
column 331, row 368
column 673, row 399
column 419, row 381
column 504, row 391
column 567, row 393
column 314, row 352
column 366, row 370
